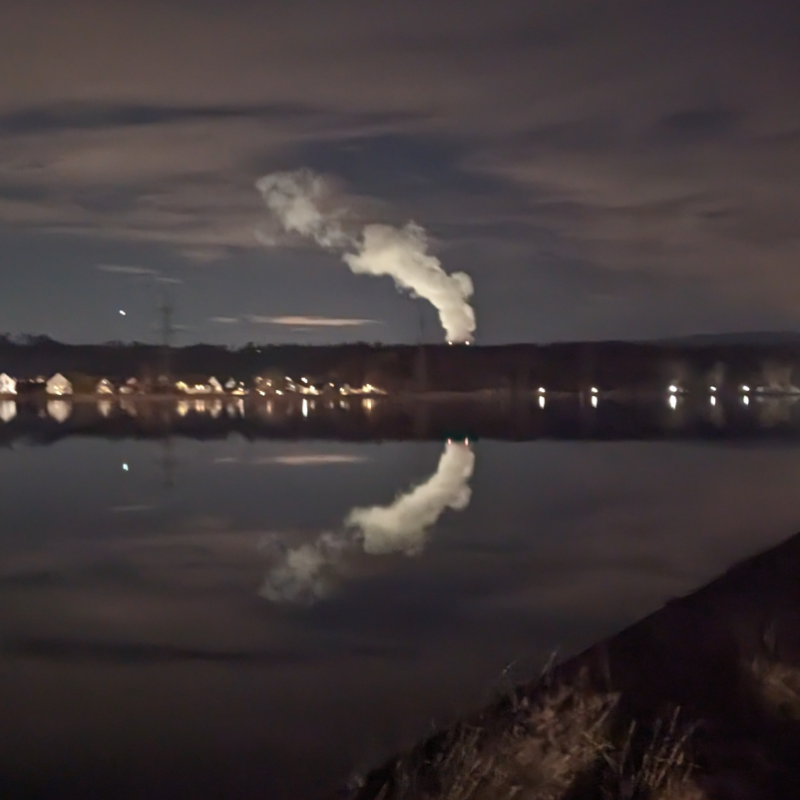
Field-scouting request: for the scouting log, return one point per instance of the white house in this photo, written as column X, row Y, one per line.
column 7, row 384
column 131, row 386
column 104, row 386
column 59, row 385
column 214, row 385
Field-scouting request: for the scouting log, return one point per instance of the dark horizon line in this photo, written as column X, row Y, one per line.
column 733, row 337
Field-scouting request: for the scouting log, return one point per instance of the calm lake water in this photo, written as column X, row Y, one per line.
column 234, row 618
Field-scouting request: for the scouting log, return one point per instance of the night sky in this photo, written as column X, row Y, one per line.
column 618, row 168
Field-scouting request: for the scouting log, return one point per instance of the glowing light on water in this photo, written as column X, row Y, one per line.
column 542, row 401
column 713, row 401
column 746, row 400
column 8, row 410
column 304, row 407
column 59, row 410
column 594, row 401
column 673, row 402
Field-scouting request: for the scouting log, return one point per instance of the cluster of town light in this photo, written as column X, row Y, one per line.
column 744, row 392
column 305, row 387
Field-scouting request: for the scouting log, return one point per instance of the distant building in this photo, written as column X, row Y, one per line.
column 59, row 385
column 104, row 386
column 131, row 386
column 230, row 384
column 214, row 385
column 7, row 384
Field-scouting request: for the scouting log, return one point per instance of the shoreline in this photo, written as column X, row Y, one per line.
column 708, row 686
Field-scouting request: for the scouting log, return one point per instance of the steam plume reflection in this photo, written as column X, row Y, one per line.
column 310, row 572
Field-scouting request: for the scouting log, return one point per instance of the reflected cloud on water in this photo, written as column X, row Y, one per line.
column 310, row 572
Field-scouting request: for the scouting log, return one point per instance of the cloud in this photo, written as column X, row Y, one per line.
column 130, row 509
column 311, row 460
column 123, row 269
column 224, row 320
column 311, row 322
column 617, row 138
column 297, row 460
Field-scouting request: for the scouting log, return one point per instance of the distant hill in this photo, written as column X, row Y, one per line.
column 759, row 338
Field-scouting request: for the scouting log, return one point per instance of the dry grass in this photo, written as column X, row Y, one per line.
column 663, row 770
column 563, row 740
column 780, row 687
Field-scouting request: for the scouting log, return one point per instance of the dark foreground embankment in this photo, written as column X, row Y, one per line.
column 699, row 700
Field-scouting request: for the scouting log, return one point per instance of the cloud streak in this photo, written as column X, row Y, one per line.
column 311, row 322
column 124, row 269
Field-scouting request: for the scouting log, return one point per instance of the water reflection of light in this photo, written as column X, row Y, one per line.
column 673, row 401
column 200, row 406
column 713, row 400
column 59, row 410
column 104, row 407
column 269, row 406
column 128, row 406
column 369, row 404
column 594, row 401
column 8, row 410
column 746, row 400
column 182, row 408
column 215, row 408
column 542, row 401
column 304, row 407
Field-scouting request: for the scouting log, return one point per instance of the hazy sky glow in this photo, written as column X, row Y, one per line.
column 601, row 169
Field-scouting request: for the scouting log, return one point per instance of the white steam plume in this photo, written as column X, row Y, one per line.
column 310, row 572
column 303, row 203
